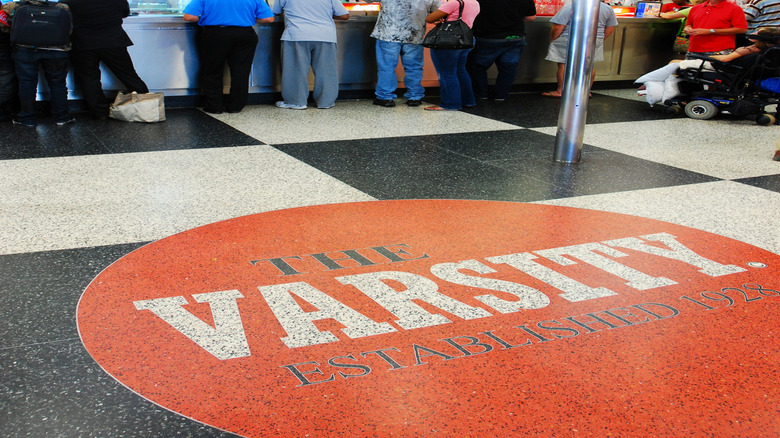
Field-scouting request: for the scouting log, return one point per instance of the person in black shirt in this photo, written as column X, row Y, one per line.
column 9, row 97
column 499, row 30
column 98, row 36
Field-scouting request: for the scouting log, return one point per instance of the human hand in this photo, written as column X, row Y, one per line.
column 693, row 31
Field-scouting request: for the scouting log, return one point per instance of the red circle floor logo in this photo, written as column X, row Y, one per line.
column 445, row 318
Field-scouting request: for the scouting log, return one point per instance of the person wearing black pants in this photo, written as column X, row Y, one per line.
column 98, row 36
column 217, row 46
column 226, row 36
column 9, row 89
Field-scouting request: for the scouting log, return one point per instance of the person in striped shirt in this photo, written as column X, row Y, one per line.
column 762, row 13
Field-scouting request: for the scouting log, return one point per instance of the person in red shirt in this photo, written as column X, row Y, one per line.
column 713, row 26
column 675, row 6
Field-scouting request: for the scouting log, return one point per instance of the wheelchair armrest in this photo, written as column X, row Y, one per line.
column 712, row 61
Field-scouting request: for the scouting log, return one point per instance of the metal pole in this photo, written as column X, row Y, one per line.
column 576, row 87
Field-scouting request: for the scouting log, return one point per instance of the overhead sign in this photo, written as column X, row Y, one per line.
column 445, row 318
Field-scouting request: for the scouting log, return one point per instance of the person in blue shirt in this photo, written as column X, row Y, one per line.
column 309, row 39
column 226, row 36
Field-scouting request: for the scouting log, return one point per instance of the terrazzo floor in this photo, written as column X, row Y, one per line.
column 76, row 199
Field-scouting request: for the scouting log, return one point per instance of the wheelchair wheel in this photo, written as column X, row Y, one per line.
column 701, row 110
column 766, row 119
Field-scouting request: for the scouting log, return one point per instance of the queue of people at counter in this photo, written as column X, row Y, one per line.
column 309, row 41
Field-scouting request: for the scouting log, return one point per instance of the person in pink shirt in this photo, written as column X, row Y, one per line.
column 454, row 80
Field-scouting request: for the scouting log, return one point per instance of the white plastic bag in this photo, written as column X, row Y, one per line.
column 134, row 107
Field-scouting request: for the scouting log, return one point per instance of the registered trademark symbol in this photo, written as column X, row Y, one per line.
column 756, row 265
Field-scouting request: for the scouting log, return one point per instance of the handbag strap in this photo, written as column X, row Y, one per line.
column 460, row 10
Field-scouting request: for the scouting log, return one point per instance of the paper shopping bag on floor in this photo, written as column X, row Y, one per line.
column 134, row 107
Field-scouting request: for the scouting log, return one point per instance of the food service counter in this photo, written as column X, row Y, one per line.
column 165, row 55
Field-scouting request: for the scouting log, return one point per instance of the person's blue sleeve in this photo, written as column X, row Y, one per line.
column 263, row 10
column 194, row 8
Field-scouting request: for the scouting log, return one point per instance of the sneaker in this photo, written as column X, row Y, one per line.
column 387, row 103
column 326, row 107
column 66, row 122
column 283, row 104
column 414, row 102
column 25, row 123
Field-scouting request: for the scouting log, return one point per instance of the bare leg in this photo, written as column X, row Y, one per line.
column 559, row 76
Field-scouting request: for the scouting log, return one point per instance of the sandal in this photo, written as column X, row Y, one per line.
column 551, row 94
column 434, row 108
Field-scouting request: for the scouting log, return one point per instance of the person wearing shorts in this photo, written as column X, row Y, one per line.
column 559, row 40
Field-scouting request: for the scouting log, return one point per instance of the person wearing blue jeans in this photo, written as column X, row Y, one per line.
column 505, row 53
column 55, row 68
column 28, row 59
column 399, row 31
column 499, row 30
column 387, row 54
column 454, row 81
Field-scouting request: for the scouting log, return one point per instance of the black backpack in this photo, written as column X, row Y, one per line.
column 41, row 26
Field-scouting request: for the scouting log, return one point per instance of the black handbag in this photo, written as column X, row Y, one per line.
column 450, row 34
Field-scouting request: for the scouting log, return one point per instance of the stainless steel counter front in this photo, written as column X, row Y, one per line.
column 165, row 54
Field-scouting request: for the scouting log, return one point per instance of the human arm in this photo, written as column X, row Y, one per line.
column 527, row 10
column 5, row 25
column 557, row 30
column 436, row 16
column 736, row 21
column 726, row 58
column 339, row 11
column 740, row 51
column 689, row 30
column 608, row 31
column 265, row 20
column 193, row 11
column 672, row 15
column 6, row 16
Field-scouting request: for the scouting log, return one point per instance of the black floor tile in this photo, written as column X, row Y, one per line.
column 57, row 390
column 494, row 145
column 514, row 165
column 371, row 154
column 769, row 182
column 46, row 287
column 454, row 181
column 51, row 387
column 532, row 110
column 47, row 140
column 599, row 171
column 185, row 128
